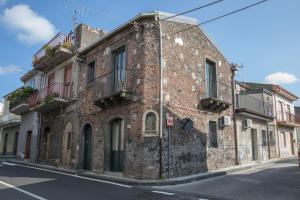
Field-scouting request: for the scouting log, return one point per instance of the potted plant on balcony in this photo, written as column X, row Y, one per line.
column 20, row 96
column 49, row 50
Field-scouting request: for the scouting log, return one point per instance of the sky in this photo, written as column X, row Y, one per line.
column 264, row 39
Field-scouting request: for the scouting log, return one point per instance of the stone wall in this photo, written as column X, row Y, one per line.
column 184, row 58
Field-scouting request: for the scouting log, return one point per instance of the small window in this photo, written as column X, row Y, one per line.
column 264, row 137
column 283, row 143
column 213, row 134
column 150, row 123
column 91, row 73
column 272, row 138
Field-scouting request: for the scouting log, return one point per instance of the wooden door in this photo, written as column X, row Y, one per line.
column 4, row 150
column 66, row 148
column 27, row 145
column 67, row 80
column 116, row 160
column 254, row 144
column 292, row 144
column 50, row 84
column 87, row 147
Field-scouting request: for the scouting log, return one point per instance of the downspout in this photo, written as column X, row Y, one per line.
column 234, row 68
column 39, row 137
column 161, row 102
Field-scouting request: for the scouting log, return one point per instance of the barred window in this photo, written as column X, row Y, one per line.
column 213, row 134
column 150, row 123
column 264, row 138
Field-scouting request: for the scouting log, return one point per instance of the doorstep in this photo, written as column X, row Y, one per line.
column 117, row 178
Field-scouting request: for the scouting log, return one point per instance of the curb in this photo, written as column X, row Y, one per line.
column 135, row 182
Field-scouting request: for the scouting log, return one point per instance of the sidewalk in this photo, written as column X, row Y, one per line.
column 172, row 181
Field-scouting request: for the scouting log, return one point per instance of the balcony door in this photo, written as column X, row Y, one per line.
column 50, row 84
column 280, row 111
column 119, row 73
column 67, row 81
column 210, row 79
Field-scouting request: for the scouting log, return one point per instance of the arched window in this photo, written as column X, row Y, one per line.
column 150, row 123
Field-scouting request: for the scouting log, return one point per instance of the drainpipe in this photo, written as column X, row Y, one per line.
column 39, row 135
column 161, row 101
column 234, row 68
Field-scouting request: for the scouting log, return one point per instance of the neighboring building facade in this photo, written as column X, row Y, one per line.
column 128, row 87
column 254, row 124
column 56, row 99
column 30, row 124
column 9, row 131
column 286, row 121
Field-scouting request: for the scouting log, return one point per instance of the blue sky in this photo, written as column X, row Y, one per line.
column 264, row 39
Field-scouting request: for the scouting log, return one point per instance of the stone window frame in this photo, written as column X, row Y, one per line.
column 156, row 133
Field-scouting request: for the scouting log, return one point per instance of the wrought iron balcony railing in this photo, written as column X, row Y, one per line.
column 60, row 40
column 115, row 83
column 56, row 91
column 287, row 118
column 255, row 105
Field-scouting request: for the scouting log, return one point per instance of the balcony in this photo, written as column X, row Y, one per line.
column 18, row 100
column 117, row 86
column 56, row 51
column 9, row 120
column 215, row 96
column 254, row 106
column 50, row 98
column 287, row 119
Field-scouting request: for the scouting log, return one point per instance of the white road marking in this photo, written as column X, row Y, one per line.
column 202, row 199
column 161, row 192
column 9, row 164
column 76, row 176
column 1, row 165
column 23, row 191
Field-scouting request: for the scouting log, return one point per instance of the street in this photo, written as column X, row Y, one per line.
column 24, row 183
column 280, row 180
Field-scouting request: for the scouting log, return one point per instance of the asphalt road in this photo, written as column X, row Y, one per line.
column 278, row 181
column 23, row 183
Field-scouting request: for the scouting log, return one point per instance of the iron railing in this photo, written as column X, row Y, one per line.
column 9, row 118
column 56, row 90
column 61, row 39
column 120, row 80
column 254, row 104
column 287, row 117
column 210, row 88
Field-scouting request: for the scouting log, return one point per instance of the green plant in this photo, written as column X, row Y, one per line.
column 49, row 50
column 49, row 98
column 20, row 96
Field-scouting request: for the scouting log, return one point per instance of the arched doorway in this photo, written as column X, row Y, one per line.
column 114, row 146
column 87, row 139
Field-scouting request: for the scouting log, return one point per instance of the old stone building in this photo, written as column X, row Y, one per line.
column 56, row 99
column 254, row 120
column 141, row 74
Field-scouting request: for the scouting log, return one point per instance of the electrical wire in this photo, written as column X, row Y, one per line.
column 192, row 10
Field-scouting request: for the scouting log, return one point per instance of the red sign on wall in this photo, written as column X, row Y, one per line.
column 170, row 121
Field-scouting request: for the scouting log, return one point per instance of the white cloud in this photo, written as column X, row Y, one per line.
column 29, row 26
column 281, row 78
column 10, row 69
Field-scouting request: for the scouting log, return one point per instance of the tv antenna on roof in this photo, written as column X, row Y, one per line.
column 76, row 8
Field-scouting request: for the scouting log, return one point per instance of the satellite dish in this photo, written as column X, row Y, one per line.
column 187, row 124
